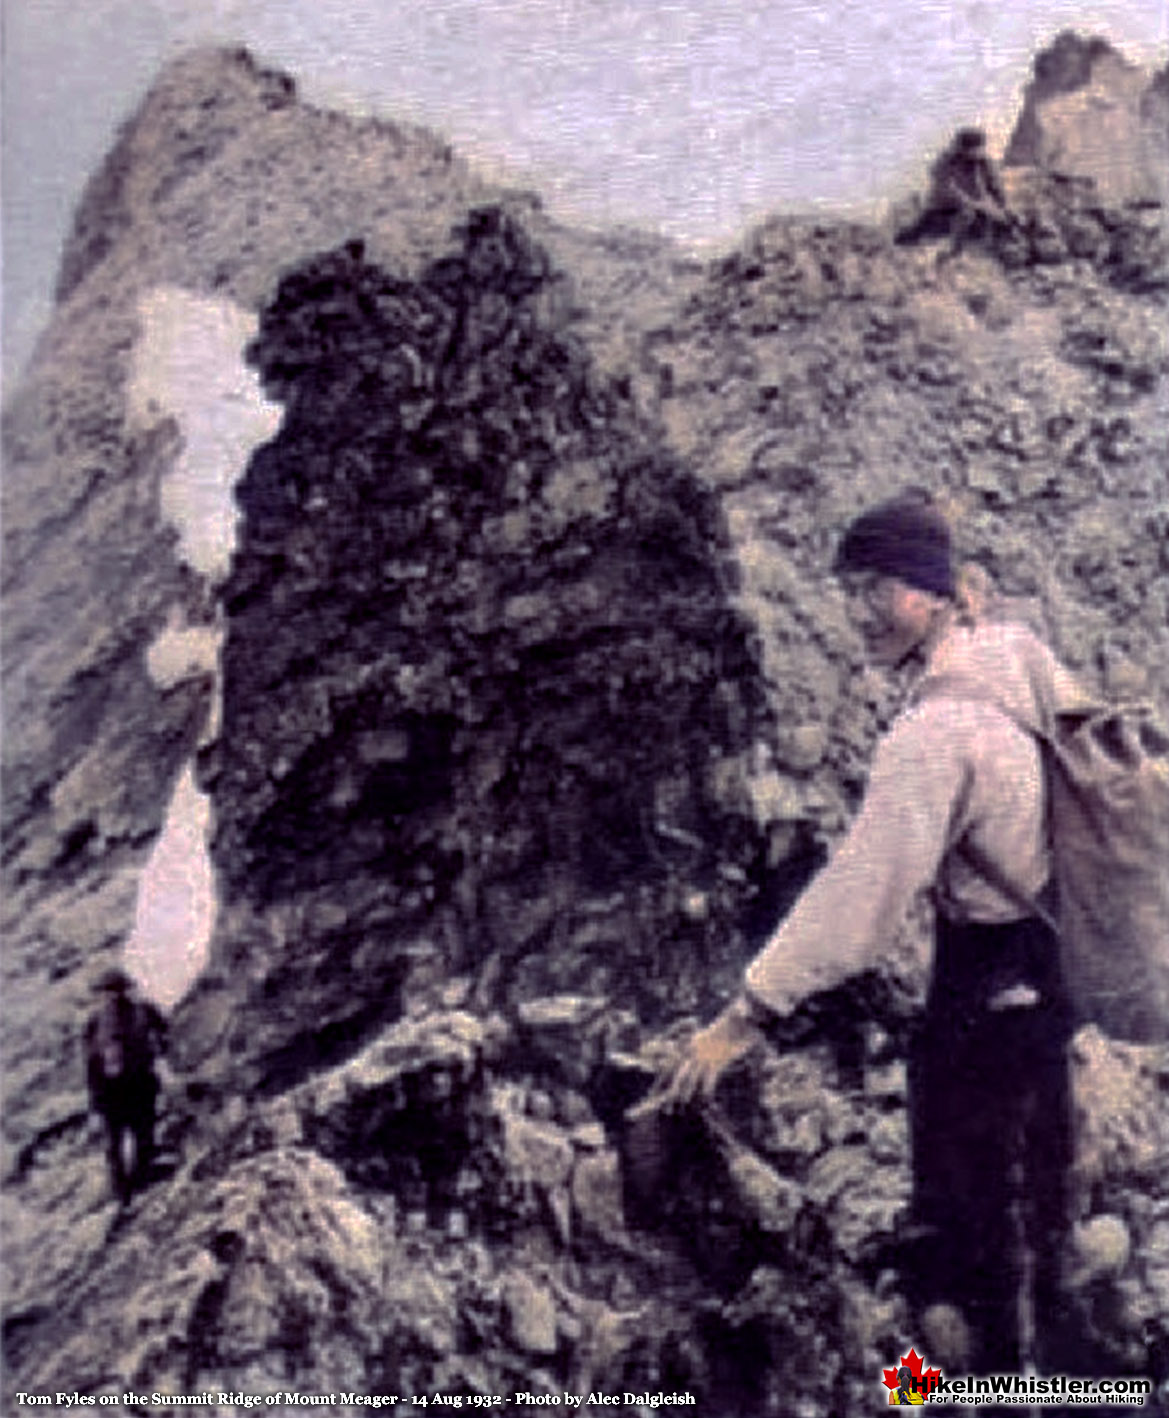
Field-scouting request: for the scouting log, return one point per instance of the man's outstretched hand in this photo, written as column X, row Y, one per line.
column 713, row 1050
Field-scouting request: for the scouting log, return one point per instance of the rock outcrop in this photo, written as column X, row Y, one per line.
column 480, row 643
column 1090, row 113
column 525, row 704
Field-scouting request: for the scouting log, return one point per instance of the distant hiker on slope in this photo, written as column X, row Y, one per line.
column 123, row 1038
column 954, row 781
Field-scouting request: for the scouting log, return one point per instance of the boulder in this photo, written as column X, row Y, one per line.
column 531, row 1315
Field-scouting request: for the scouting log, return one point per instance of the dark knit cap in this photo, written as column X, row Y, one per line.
column 906, row 537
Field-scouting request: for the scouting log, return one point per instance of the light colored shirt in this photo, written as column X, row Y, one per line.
column 948, row 768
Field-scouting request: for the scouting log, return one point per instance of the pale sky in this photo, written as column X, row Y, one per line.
column 690, row 117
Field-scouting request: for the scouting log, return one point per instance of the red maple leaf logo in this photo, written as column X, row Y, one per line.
column 916, row 1366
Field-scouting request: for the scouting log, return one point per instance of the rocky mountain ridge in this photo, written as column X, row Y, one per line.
column 534, row 707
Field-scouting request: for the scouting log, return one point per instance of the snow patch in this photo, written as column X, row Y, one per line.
column 188, row 365
column 175, row 913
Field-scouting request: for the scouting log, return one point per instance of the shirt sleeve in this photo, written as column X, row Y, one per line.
column 854, row 906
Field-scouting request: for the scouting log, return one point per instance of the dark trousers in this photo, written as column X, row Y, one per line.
column 129, row 1109
column 990, row 1113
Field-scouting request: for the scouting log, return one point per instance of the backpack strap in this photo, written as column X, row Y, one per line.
column 992, row 872
column 957, row 686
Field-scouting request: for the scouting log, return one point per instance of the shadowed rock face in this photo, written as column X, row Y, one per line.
column 538, row 704
column 482, row 665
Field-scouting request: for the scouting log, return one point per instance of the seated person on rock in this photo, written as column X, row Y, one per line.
column 966, row 197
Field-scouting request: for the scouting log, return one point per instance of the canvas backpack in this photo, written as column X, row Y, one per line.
column 1107, row 772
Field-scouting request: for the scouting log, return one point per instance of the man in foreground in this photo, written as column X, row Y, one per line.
column 955, row 782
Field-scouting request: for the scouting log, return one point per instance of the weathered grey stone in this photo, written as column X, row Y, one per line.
column 562, row 1032
column 559, row 1015
column 597, row 1198
column 531, row 1314
column 947, row 1335
column 868, row 1321
column 1122, row 1129
column 535, row 1152
column 889, row 1140
column 1102, row 1247
column 589, row 1137
column 802, row 747
column 772, row 1202
column 886, row 1080
column 838, row 1169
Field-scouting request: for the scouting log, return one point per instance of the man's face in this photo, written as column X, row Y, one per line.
column 891, row 618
